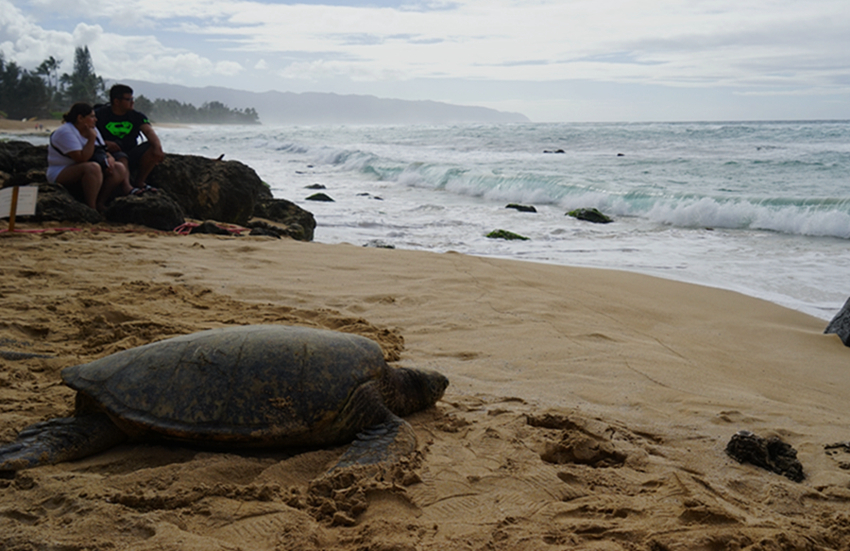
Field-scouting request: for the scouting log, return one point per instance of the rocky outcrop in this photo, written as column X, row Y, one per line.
column 299, row 221
column 56, row 204
column 209, row 189
column 840, row 324
column 188, row 186
column 154, row 210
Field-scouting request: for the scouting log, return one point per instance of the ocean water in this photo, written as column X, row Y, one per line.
column 762, row 208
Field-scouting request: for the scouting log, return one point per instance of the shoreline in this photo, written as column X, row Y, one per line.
column 28, row 127
column 652, row 374
column 43, row 127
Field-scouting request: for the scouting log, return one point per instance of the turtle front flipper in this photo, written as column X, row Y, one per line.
column 386, row 442
column 62, row 439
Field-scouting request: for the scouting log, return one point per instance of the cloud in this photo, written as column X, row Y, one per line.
column 753, row 46
column 228, row 68
column 684, row 44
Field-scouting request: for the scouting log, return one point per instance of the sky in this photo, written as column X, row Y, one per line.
column 551, row 60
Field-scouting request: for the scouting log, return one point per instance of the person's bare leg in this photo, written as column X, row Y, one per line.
column 148, row 161
column 116, row 177
column 88, row 176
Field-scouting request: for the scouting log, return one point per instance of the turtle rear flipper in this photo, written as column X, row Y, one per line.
column 386, row 442
column 62, row 439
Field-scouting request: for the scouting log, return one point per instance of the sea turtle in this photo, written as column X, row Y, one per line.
column 261, row 386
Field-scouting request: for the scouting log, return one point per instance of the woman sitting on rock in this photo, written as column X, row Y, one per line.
column 77, row 159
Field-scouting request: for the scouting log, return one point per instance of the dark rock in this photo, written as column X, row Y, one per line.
column 55, row 203
column 261, row 227
column 840, row 324
column 590, row 215
column 207, row 189
column 29, row 158
column 9, row 154
column 197, row 187
column 154, row 210
column 521, row 208
column 378, row 244
column 315, row 186
column 554, row 151
column 320, row 197
column 301, row 223
column 270, row 229
column 621, row 154
column 504, row 234
column 768, row 453
column 210, row 227
column 33, row 176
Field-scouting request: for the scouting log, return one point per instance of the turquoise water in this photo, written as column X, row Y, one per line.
column 758, row 207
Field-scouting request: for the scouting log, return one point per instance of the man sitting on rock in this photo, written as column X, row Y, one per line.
column 121, row 126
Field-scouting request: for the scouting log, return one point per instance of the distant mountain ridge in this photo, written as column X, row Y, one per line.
column 325, row 108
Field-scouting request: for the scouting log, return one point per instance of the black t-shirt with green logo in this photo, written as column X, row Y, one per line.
column 123, row 129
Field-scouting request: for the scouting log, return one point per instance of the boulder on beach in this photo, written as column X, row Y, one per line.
column 56, row 204
column 188, row 186
column 154, row 210
column 840, row 324
column 209, row 189
column 301, row 223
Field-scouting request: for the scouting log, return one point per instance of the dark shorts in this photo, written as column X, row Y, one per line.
column 134, row 155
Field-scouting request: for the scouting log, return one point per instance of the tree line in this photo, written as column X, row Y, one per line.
column 44, row 93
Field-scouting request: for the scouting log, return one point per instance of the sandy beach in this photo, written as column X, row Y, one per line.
column 38, row 126
column 588, row 409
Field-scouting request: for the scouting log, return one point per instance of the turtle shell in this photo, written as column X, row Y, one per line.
column 260, row 384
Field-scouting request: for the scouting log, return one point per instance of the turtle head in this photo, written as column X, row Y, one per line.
column 417, row 389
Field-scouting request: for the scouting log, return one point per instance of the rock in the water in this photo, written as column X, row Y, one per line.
column 505, row 234
column 521, row 208
column 154, row 210
column 207, row 189
column 768, row 453
column 300, row 223
column 590, row 215
column 379, row 244
column 315, row 186
column 840, row 324
column 320, row 197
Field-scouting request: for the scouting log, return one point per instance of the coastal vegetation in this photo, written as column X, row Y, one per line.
column 44, row 93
